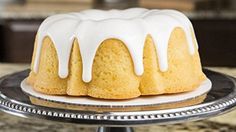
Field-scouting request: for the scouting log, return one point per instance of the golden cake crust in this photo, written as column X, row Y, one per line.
column 113, row 74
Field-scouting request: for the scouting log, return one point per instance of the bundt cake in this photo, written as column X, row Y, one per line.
column 116, row 54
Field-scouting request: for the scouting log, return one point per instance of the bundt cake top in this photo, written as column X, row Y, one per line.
column 92, row 27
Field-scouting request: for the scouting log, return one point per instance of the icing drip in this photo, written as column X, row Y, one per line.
column 92, row 27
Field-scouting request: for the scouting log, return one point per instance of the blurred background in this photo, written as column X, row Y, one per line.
column 215, row 27
column 214, row 22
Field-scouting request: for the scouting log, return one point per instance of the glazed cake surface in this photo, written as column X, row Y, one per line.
column 116, row 54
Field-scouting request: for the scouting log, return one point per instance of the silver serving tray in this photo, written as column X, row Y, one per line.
column 219, row 100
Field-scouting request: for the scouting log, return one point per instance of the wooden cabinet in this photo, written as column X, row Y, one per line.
column 18, row 37
column 216, row 39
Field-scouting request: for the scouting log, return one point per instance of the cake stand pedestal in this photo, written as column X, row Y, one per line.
column 220, row 99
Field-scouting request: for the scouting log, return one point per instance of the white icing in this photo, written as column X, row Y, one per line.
column 92, row 27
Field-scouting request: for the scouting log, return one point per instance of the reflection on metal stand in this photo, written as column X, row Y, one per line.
column 115, row 129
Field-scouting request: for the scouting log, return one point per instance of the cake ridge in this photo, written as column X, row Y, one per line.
column 64, row 28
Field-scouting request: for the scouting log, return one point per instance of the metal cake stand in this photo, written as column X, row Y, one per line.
column 220, row 99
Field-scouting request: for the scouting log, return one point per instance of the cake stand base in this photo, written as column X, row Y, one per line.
column 115, row 129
